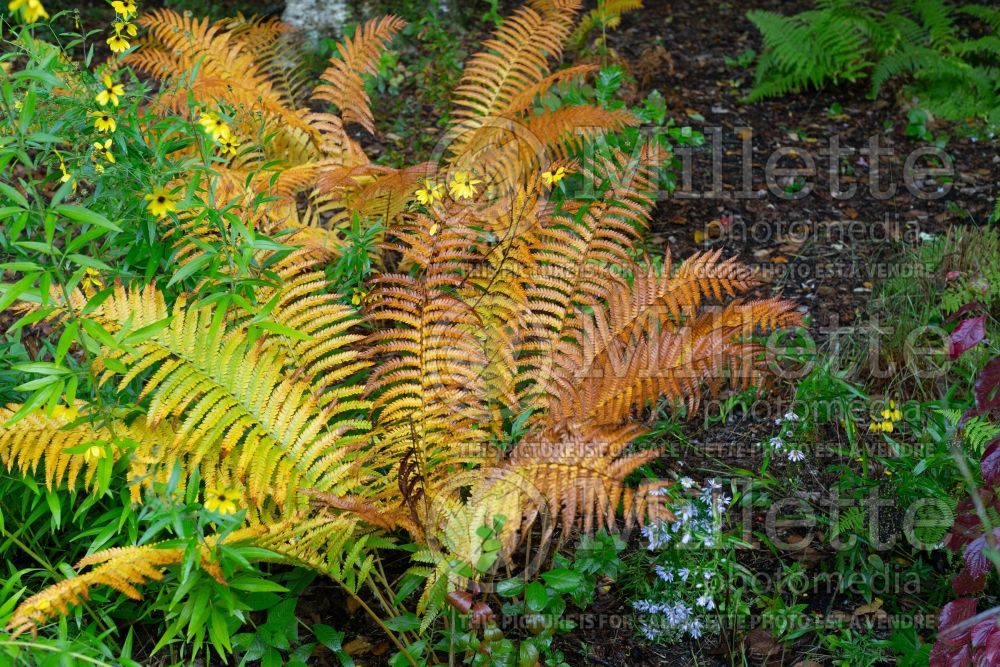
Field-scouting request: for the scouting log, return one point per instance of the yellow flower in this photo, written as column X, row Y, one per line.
column 223, row 501
column 94, row 453
column 118, row 43
column 434, row 229
column 430, row 193
column 65, row 413
column 18, row 104
column 127, row 27
column 215, row 126
column 112, row 91
column 106, row 149
column 552, row 178
column 103, row 121
column 161, row 202
column 463, row 185
column 124, row 9
column 228, row 145
column 32, row 10
column 358, row 297
column 889, row 416
column 91, row 279
column 65, row 174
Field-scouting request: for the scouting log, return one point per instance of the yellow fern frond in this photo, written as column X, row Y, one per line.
column 122, row 569
column 39, row 439
column 327, row 356
column 224, row 396
column 607, row 14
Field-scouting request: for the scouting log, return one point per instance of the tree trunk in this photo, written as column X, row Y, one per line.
column 317, row 17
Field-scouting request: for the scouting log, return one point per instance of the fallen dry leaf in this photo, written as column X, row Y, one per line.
column 358, row 646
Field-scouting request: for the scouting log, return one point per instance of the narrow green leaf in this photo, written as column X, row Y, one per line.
column 85, row 215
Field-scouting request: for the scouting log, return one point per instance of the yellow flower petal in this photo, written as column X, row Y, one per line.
column 118, row 43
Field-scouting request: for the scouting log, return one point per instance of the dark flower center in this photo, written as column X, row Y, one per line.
column 161, row 199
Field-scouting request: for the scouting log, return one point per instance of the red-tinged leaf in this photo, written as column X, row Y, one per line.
column 460, row 600
column 987, row 387
column 976, row 562
column 963, row 584
column 961, row 658
column 983, row 630
column 967, row 335
column 940, row 653
column 944, row 655
column 951, row 615
column 971, row 307
column 482, row 615
column 966, row 528
column 992, row 650
column 989, row 465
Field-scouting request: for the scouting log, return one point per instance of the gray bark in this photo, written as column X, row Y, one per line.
column 317, row 17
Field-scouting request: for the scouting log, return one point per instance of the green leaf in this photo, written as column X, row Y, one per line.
column 252, row 584
column 509, row 588
column 405, row 623
column 89, row 262
column 11, row 292
column 83, row 239
column 146, row 332
column 7, row 211
column 66, row 339
column 330, row 638
column 41, row 75
column 282, row 330
column 218, row 631
column 20, row 267
column 13, row 194
column 563, row 580
column 100, row 334
column 43, row 138
column 81, row 214
column 188, row 269
column 535, row 596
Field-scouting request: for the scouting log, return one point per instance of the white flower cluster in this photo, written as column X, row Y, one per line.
column 777, row 443
column 696, row 520
column 689, row 607
column 674, row 619
column 668, row 619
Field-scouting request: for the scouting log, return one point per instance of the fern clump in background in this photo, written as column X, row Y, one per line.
column 954, row 72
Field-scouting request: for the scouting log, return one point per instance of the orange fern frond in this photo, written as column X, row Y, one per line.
column 523, row 100
column 712, row 349
column 428, row 390
column 580, row 474
column 344, row 87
